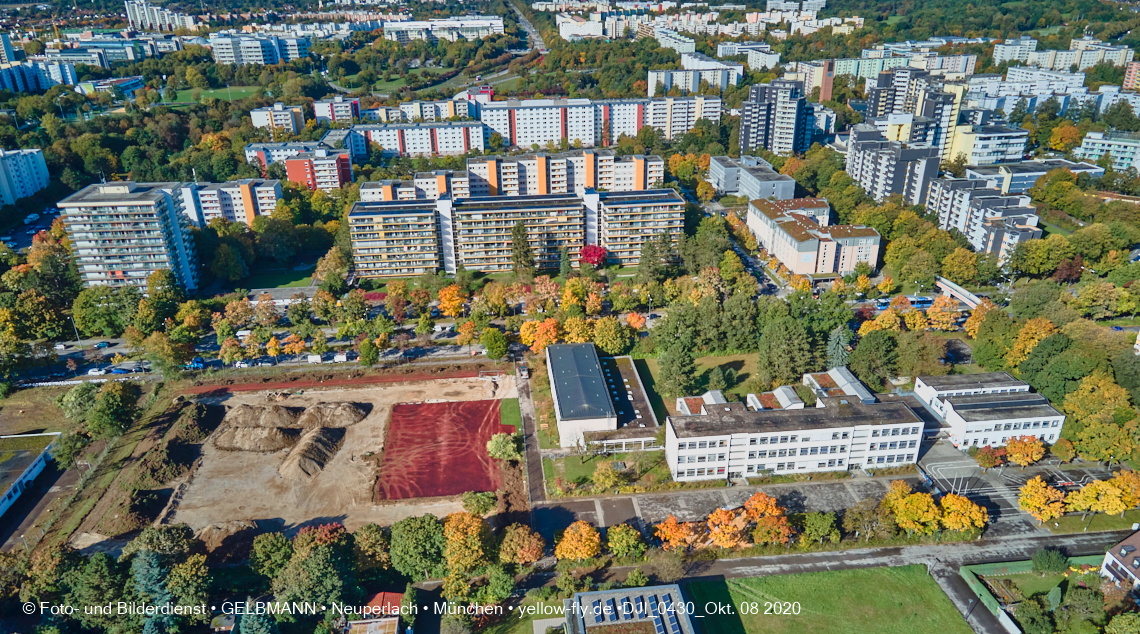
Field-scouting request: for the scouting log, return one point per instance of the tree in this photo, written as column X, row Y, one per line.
column 1049, row 561
column 565, row 267
column 521, row 545
column 1098, row 496
column 417, row 546
column 818, row 527
column 673, row 534
column 677, row 370
column 522, row 259
column 870, row 520
column 503, row 447
column 974, row 322
column 231, row 351
column 917, row 513
column 188, row 582
column 960, row 267
column 838, row 347
column 635, row 579
column 606, row 477
column 104, row 310
column 370, row 546
column 875, row 359
column 785, row 352
column 114, row 409
column 1063, row 450
column 988, row 457
column 466, row 539
column 1128, row 482
column 271, row 552
column 253, row 621
column 1024, row 450
column 960, row 514
column 1033, row 617
column 725, row 529
column 495, row 342
column 1096, row 400
column 579, row 541
column 228, row 263
column 1040, row 500
column 625, row 541
column 539, row 334
column 593, row 255
column 1128, row 623
column 771, row 524
column 1031, row 334
column 611, row 336
column 943, row 314
column 451, row 300
column 369, row 354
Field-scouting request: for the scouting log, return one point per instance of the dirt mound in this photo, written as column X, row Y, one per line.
column 312, row 453
column 332, row 415
column 259, row 439
column 267, row 416
column 228, row 541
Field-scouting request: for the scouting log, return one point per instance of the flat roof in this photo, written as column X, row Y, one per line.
column 120, row 191
column 647, row 196
column 1006, row 413
column 847, row 411
column 17, row 454
column 971, row 381
column 576, row 375
column 392, row 207
column 626, row 608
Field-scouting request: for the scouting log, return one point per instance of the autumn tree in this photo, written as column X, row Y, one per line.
column 673, row 534
column 451, row 300
column 960, row 514
column 539, row 334
column 771, row 525
column 611, row 336
column 1031, row 334
column 974, row 322
column 1024, row 450
column 1098, row 496
column 466, row 542
column 1128, row 482
column 989, row 457
column 579, row 541
column 943, row 314
column 1040, row 500
column 1063, row 450
column 293, row 344
column 724, row 529
column 624, row 540
column 521, row 545
column 917, row 514
column 468, row 333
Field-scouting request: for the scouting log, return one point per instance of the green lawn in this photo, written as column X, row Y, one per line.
column 509, row 413
column 579, row 470
column 279, row 278
column 1098, row 522
column 743, row 364
column 903, row 600
column 1032, row 584
column 233, row 92
column 1050, row 229
column 389, row 86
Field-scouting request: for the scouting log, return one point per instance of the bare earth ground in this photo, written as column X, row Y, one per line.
column 239, row 485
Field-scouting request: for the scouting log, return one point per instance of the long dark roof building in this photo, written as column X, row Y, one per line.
column 578, row 382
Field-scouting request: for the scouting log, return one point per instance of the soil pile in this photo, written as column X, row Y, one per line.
column 331, row 415
column 259, row 439
column 228, row 541
column 267, row 416
column 310, row 455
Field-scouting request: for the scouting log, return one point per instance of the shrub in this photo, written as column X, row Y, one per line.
column 1049, row 560
column 479, row 502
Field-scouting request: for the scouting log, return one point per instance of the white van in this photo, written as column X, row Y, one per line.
column 340, row 357
column 242, row 334
column 314, row 358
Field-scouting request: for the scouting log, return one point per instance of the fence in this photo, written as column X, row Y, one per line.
column 971, row 575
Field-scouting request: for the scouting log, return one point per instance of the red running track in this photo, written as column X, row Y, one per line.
column 439, row 449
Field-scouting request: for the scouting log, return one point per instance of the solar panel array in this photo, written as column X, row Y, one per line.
column 660, row 611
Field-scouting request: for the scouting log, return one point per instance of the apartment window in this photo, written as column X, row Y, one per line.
column 803, row 451
column 874, row 433
column 752, row 441
column 783, row 439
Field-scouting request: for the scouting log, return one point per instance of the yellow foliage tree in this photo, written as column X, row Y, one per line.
column 887, row 286
column 1040, row 500
column 887, row 320
column 726, row 530
column 974, row 322
column 1129, row 484
column 943, row 313
column 1096, row 399
column 578, row 330
column 960, row 514
column 863, row 284
column 1098, row 496
column 915, row 320
column 1024, row 450
column 918, row 514
column 451, row 299
column 579, row 541
column 1031, row 334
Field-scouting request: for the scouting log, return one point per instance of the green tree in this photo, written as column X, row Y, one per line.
column 677, row 370
column 228, row 264
column 114, row 409
column 369, row 354
column 875, row 359
column 837, row 347
column 479, row 502
column 1049, row 560
column 417, row 546
column 271, row 552
column 565, row 269
column 495, row 343
column 522, row 258
column 100, row 582
column 818, row 527
column 105, row 310
column 251, row 621
column 625, row 541
column 1033, row 617
column 1128, row 623
column 503, row 447
column 785, row 353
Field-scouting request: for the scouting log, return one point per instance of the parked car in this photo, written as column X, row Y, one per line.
column 96, row 372
column 314, row 358
column 241, row 364
column 266, row 363
column 524, row 372
column 340, row 357
column 102, row 344
column 120, row 371
column 195, row 364
column 31, row 218
column 60, row 346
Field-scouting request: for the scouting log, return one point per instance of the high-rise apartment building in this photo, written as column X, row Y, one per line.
column 774, row 118
column 122, row 232
column 236, row 201
column 324, row 169
column 1014, row 50
column 22, row 173
column 437, row 110
column 476, row 231
column 440, row 138
column 885, row 167
column 259, row 50
column 1131, row 76
column 992, row 222
column 144, row 16
column 266, row 154
column 565, row 173
column 338, row 109
column 290, row 118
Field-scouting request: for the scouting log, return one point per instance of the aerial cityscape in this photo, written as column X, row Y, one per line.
column 570, row 317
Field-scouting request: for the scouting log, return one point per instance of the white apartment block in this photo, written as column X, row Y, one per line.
column 236, row 201
column 383, row 114
column 144, row 16
column 1018, row 178
column 337, row 109
column 565, row 173
column 884, row 167
column 751, row 177
column 1045, row 80
column 1110, row 95
column 728, row 441
column 258, row 50
column 697, row 68
column 627, row 220
column 993, row 222
column 774, row 118
column 670, row 39
column 436, row 110
column 1084, row 54
column 121, row 232
column 394, row 240
column 471, row 27
column 988, row 144
column 1014, row 50
column 36, row 76
column 989, row 409
column 441, row 138
column 796, row 232
column 289, row 118
column 540, row 121
column 267, row 154
column 22, row 173
column 1123, row 147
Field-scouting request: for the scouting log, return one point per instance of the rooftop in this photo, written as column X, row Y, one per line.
column 120, row 191
column 17, row 454
column 577, row 379
column 361, row 209
column 625, row 610
column 951, row 382
column 733, row 418
column 645, row 196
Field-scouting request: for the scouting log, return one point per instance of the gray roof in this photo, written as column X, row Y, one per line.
column 971, row 381
column 578, row 381
column 120, row 192
column 589, row 611
column 735, row 418
column 986, row 407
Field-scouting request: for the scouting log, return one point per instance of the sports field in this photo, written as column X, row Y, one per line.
column 903, row 600
column 439, row 449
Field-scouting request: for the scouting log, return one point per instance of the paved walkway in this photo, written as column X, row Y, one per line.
column 534, row 478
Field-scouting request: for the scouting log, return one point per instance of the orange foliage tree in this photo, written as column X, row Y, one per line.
column 771, row 524
column 974, row 322
column 943, row 313
column 579, row 541
column 1040, row 500
column 539, row 334
column 725, row 529
column 1024, row 450
column 635, row 320
column 466, row 539
column 521, row 545
column 451, row 299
